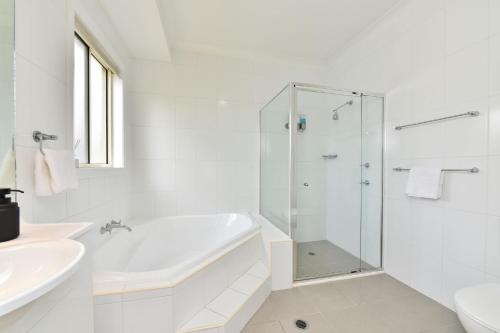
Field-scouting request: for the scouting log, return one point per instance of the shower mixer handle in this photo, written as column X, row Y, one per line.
column 366, row 182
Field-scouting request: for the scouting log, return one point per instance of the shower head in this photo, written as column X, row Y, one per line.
column 336, row 114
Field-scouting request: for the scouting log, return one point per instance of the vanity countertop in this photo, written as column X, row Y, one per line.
column 50, row 231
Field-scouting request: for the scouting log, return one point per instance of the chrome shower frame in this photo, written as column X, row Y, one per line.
column 294, row 87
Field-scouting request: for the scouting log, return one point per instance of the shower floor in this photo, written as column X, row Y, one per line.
column 323, row 258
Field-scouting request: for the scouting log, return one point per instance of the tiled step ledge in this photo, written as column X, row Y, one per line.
column 232, row 309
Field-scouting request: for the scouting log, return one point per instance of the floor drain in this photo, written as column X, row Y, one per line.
column 311, row 253
column 301, row 324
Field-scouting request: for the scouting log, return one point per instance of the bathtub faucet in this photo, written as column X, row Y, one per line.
column 114, row 225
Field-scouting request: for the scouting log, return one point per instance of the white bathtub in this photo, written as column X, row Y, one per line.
column 164, row 251
column 176, row 264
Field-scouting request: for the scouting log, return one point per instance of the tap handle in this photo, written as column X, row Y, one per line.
column 105, row 228
column 113, row 222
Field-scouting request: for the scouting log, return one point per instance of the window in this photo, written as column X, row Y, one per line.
column 97, row 109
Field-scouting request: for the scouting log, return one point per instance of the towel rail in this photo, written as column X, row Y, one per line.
column 471, row 170
column 40, row 137
column 466, row 114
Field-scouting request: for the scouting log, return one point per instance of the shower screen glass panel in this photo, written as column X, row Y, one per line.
column 372, row 145
column 275, row 161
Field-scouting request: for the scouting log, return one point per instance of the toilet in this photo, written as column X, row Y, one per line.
column 478, row 308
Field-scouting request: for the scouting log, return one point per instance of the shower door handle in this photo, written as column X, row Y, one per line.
column 366, row 182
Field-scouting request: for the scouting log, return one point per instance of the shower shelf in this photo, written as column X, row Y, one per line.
column 461, row 115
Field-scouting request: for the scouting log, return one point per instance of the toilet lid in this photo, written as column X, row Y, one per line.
column 481, row 303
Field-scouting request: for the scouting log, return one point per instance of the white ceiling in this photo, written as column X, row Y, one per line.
column 292, row 30
column 138, row 23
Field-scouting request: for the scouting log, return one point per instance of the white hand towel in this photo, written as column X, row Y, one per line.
column 42, row 176
column 61, row 164
column 425, row 183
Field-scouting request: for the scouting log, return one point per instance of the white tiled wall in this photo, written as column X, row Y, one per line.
column 195, row 131
column 44, row 53
column 194, row 126
column 435, row 58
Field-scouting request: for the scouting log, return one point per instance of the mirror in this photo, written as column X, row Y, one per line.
column 7, row 120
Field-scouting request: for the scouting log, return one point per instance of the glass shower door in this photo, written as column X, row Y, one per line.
column 328, row 188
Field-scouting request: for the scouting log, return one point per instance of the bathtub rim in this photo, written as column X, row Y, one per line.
column 120, row 283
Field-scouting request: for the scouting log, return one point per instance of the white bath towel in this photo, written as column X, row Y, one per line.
column 42, row 176
column 55, row 172
column 425, row 183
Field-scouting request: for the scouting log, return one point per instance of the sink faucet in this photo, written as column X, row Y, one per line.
column 114, row 225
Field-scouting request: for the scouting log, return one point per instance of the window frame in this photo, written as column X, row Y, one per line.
column 110, row 73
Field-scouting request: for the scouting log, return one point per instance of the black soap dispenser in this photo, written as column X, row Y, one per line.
column 9, row 216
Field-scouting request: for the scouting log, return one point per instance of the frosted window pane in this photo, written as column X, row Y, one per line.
column 118, row 144
column 97, row 113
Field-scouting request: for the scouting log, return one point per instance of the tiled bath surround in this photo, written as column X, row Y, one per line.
column 195, row 130
column 431, row 64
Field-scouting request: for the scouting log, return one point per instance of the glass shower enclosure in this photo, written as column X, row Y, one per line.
column 321, row 177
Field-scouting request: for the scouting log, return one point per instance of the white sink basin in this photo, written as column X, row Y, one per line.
column 28, row 271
